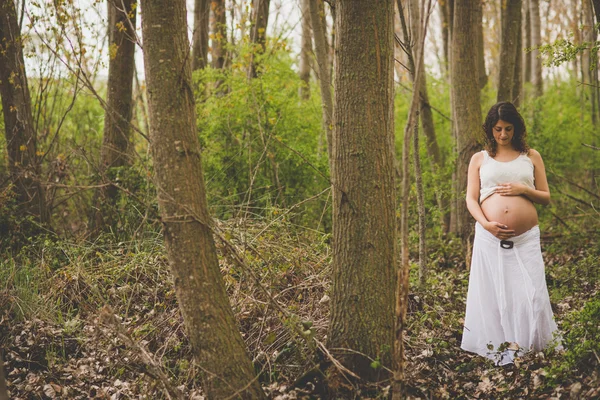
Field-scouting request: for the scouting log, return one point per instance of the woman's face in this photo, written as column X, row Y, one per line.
column 503, row 133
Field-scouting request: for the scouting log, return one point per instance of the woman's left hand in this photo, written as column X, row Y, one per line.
column 511, row 189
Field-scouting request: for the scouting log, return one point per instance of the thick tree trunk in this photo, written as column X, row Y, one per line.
column 305, row 51
column 364, row 245
column 216, row 342
column 115, row 150
column 200, row 36
column 322, row 56
column 18, row 123
column 511, row 26
column 536, row 41
column 466, row 108
column 258, row 33
column 219, row 31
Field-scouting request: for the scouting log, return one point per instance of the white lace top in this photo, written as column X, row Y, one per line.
column 493, row 173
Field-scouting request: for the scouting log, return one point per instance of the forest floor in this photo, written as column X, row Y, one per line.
column 58, row 342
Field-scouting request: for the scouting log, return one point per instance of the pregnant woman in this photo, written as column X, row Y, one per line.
column 508, row 307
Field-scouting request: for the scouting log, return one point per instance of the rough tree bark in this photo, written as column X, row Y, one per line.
column 511, row 26
column 115, row 150
column 322, row 56
column 21, row 138
column 216, row 342
column 200, row 36
column 364, row 245
column 536, row 41
column 466, row 108
column 258, row 33
column 305, row 51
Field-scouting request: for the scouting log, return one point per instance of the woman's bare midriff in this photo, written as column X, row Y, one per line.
column 516, row 212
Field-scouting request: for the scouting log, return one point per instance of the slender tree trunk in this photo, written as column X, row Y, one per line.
column 115, row 150
column 433, row 149
column 19, row 130
column 211, row 327
column 219, row 31
column 428, row 129
column 420, row 208
column 322, row 56
column 444, row 17
column 526, row 33
column 3, row 388
column 517, row 89
column 466, row 109
column 481, row 73
column 511, row 26
column 536, row 41
column 200, row 35
column 305, row 51
column 364, row 245
column 258, row 33
column 590, row 59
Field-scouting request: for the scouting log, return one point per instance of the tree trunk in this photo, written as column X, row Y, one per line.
column 200, row 36
column 258, row 33
column 364, row 245
column 18, row 123
column 433, row 149
column 3, row 389
column 211, row 327
column 590, row 59
column 423, row 108
column 536, row 41
column 526, row 33
column 119, row 104
column 444, row 17
column 517, row 89
column 219, row 31
column 511, row 26
column 481, row 73
column 305, row 51
column 322, row 55
column 466, row 108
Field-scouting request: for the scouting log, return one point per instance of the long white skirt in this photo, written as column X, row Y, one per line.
column 508, row 300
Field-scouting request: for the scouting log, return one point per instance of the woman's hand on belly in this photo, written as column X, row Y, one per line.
column 499, row 230
column 511, row 189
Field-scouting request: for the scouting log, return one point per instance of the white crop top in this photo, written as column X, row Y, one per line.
column 493, row 173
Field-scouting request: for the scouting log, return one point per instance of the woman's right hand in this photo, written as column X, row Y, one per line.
column 499, row 230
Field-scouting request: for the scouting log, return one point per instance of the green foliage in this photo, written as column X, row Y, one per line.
column 564, row 50
column 263, row 147
column 581, row 343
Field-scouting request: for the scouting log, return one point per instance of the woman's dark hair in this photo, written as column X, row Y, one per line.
column 506, row 112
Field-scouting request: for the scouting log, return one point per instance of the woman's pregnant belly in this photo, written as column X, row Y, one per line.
column 516, row 212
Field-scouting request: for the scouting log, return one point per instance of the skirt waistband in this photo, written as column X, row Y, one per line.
column 528, row 236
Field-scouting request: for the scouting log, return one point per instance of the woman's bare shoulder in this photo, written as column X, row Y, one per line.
column 534, row 154
column 477, row 158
